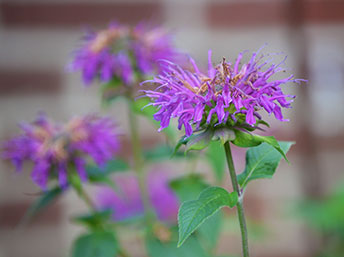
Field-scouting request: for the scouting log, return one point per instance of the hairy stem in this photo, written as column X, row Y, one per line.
column 240, row 208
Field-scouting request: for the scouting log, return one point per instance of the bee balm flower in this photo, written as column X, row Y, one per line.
column 54, row 149
column 228, row 95
column 123, row 53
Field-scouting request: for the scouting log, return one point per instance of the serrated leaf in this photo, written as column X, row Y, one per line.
column 192, row 214
column 210, row 230
column 217, row 159
column 243, row 139
column 96, row 244
column 191, row 248
column 47, row 198
column 262, row 161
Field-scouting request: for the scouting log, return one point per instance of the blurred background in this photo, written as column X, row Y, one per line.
column 37, row 38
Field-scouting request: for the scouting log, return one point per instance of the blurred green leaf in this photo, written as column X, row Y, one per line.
column 262, row 161
column 193, row 213
column 188, row 187
column 191, row 248
column 243, row 139
column 217, row 159
column 160, row 153
column 96, row 244
column 47, row 198
column 98, row 174
column 95, row 219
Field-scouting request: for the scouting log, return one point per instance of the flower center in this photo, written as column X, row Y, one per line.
column 103, row 39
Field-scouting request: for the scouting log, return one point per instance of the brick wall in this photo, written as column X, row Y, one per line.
column 37, row 37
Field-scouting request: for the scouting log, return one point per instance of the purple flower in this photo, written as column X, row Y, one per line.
column 54, row 149
column 120, row 52
column 229, row 94
column 127, row 203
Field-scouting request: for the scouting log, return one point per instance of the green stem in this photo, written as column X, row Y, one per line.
column 240, row 208
column 138, row 162
column 87, row 199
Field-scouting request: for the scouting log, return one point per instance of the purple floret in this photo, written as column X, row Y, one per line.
column 123, row 52
column 218, row 97
column 54, row 149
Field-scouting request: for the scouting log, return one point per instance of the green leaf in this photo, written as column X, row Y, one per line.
column 43, row 201
column 189, row 187
column 262, row 161
column 182, row 141
column 216, row 158
column 95, row 219
column 224, row 134
column 243, row 139
column 193, row 213
column 161, row 153
column 199, row 141
column 191, row 248
column 99, row 174
column 96, row 244
column 210, row 230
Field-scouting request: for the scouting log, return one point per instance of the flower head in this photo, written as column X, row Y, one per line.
column 229, row 94
column 54, row 149
column 127, row 201
column 123, row 52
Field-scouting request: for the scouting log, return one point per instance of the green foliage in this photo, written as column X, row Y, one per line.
column 98, row 174
column 217, row 159
column 223, row 134
column 327, row 216
column 96, row 244
column 196, row 141
column 199, row 141
column 94, row 220
column 243, row 139
column 43, row 201
column 160, row 153
column 191, row 248
column 209, row 231
column 262, row 161
column 193, row 213
column 189, row 187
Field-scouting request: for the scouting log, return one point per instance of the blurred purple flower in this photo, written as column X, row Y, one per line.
column 127, row 201
column 54, row 148
column 121, row 52
column 221, row 96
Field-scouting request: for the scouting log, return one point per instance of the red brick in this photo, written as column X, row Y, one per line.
column 76, row 14
column 29, row 82
column 262, row 13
